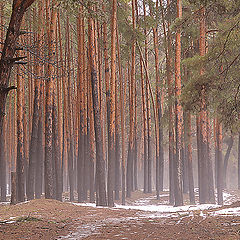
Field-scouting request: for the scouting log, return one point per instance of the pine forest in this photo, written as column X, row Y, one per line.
column 130, row 106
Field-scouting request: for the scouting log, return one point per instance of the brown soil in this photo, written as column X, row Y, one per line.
column 50, row 219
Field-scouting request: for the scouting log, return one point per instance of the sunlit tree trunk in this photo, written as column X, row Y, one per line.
column 20, row 148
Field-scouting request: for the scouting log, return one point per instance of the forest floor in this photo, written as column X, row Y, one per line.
column 143, row 217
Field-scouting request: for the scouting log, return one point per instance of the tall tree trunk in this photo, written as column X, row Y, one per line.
column 204, row 176
column 56, row 137
column 145, row 106
column 35, row 119
column 2, row 142
column 178, row 195
column 149, row 137
column 122, row 109
column 159, row 166
column 20, row 148
column 144, row 116
column 8, row 52
column 117, row 128
column 48, row 166
column 60, row 100
column 171, row 149
column 111, row 138
column 70, row 125
column 80, row 164
column 100, row 165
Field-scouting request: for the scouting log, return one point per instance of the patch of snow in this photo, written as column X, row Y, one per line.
column 168, row 208
column 10, row 221
column 228, row 211
column 228, row 198
column 87, row 205
column 22, row 203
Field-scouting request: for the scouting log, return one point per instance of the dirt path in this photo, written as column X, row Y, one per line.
column 50, row 219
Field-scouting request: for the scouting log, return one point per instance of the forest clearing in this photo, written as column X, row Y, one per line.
column 119, row 119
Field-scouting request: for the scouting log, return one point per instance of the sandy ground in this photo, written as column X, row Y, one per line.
column 50, row 219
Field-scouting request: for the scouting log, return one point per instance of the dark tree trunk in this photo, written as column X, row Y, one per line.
column 14, row 188
column 56, row 152
column 117, row 154
column 189, row 159
column 198, row 158
column 161, row 151
column 149, row 141
column 91, row 145
column 3, row 168
column 39, row 167
column 7, row 60
column 177, row 166
column 135, row 164
column 185, row 159
column 33, row 144
column 219, row 163
column 226, row 158
column 209, row 164
column 100, row 164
